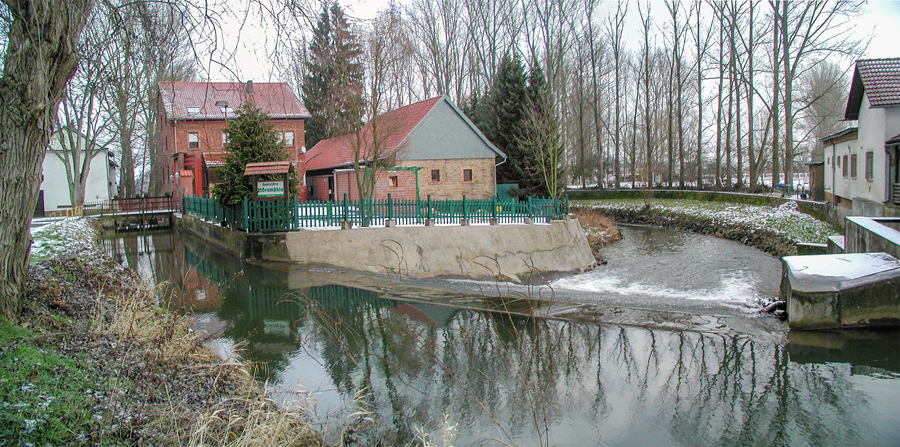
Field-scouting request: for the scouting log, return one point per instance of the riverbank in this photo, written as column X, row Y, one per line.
column 775, row 230
column 95, row 361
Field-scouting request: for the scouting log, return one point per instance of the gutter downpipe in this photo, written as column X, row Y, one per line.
column 495, row 173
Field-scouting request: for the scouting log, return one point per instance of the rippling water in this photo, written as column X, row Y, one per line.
column 512, row 381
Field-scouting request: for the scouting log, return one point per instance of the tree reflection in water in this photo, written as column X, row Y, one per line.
column 517, row 381
column 546, row 382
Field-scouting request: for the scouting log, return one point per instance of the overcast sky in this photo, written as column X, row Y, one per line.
column 881, row 20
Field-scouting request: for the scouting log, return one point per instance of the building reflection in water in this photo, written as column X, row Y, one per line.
column 546, row 382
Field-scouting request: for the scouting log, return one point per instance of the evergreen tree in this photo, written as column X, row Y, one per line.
column 503, row 112
column 541, row 140
column 251, row 139
column 333, row 84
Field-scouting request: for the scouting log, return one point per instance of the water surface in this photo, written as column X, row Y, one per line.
column 516, row 381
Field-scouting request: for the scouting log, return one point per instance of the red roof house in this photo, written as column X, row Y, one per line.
column 193, row 114
column 433, row 148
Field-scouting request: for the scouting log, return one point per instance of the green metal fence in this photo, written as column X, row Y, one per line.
column 269, row 216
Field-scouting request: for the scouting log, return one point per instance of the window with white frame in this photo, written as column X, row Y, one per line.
column 193, row 139
column 289, row 138
column 225, row 139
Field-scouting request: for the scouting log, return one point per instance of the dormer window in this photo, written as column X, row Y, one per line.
column 193, row 110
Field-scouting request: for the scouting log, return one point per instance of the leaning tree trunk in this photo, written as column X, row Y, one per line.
column 40, row 59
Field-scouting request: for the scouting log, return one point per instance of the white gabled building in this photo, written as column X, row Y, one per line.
column 54, row 195
column 861, row 168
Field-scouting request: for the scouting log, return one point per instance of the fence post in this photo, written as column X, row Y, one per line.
column 494, row 220
column 296, row 213
column 465, row 212
column 390, row 212
column 428, row 221
column 246, row 212
column 345, row 224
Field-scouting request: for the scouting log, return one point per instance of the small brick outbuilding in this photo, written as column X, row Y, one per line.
column 432, row 148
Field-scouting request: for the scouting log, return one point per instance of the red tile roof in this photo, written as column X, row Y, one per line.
column 395, row 125
column 197, row 100
column 879, row 79
column 271, row 167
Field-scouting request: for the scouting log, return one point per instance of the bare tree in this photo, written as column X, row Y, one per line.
column 615, row 26
column 40, row 58
column 811, row 31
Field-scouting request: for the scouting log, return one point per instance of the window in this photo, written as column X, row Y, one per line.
column 289, row 139
column 435, row 175
column 224, row 139
column 467, row 175
column 394, row 181
column 193, row 139
column 870, row 166
column 853, row 165
column 845, row 167
column 838, row 161
column 828, row 161
column 193, row 110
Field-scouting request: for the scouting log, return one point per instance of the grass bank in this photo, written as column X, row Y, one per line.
column 774, row 229
column 94, row 360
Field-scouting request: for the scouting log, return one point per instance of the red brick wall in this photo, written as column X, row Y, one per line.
column 345, row 182
column 174, row 138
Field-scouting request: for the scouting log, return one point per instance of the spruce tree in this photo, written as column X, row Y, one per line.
column 541, row 140
column 505, row 109
column 251, row 139
column 333, row 84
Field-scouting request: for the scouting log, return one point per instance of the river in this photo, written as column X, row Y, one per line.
column 391, row 368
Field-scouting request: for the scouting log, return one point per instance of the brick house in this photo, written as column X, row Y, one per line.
column 193, row 114
column 432, row 148
column 861, row 163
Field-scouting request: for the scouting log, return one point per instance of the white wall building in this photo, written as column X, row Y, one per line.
column 54, row 195
column 861, row 169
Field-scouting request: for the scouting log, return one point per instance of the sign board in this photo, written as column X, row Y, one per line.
column 270, row 189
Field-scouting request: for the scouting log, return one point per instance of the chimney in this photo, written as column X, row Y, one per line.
column 250, row 87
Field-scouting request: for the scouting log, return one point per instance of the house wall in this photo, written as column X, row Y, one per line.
column 838, row 188
column 100, row 183
column 452, row 185
column 345, row 182
column 174, row 137
column 876, row 125
column 445, row 134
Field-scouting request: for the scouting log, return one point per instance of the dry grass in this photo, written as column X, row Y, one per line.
column 235, row 409
column 599, row 228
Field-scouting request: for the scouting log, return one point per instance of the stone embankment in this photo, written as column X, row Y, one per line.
column 768, row 241
column 516, row 252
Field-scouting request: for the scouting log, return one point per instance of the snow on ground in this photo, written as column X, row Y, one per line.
column 785, row 219
column 62, row 237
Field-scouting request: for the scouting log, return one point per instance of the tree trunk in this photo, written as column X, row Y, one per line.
column 776, row 46
column 40, row 59
column 788, row 107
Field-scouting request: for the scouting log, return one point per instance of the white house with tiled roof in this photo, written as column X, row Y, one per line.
column 861, row 165
column 193, row 114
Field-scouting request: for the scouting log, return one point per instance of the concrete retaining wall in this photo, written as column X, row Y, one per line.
column 480, row 251
column 869, row 235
